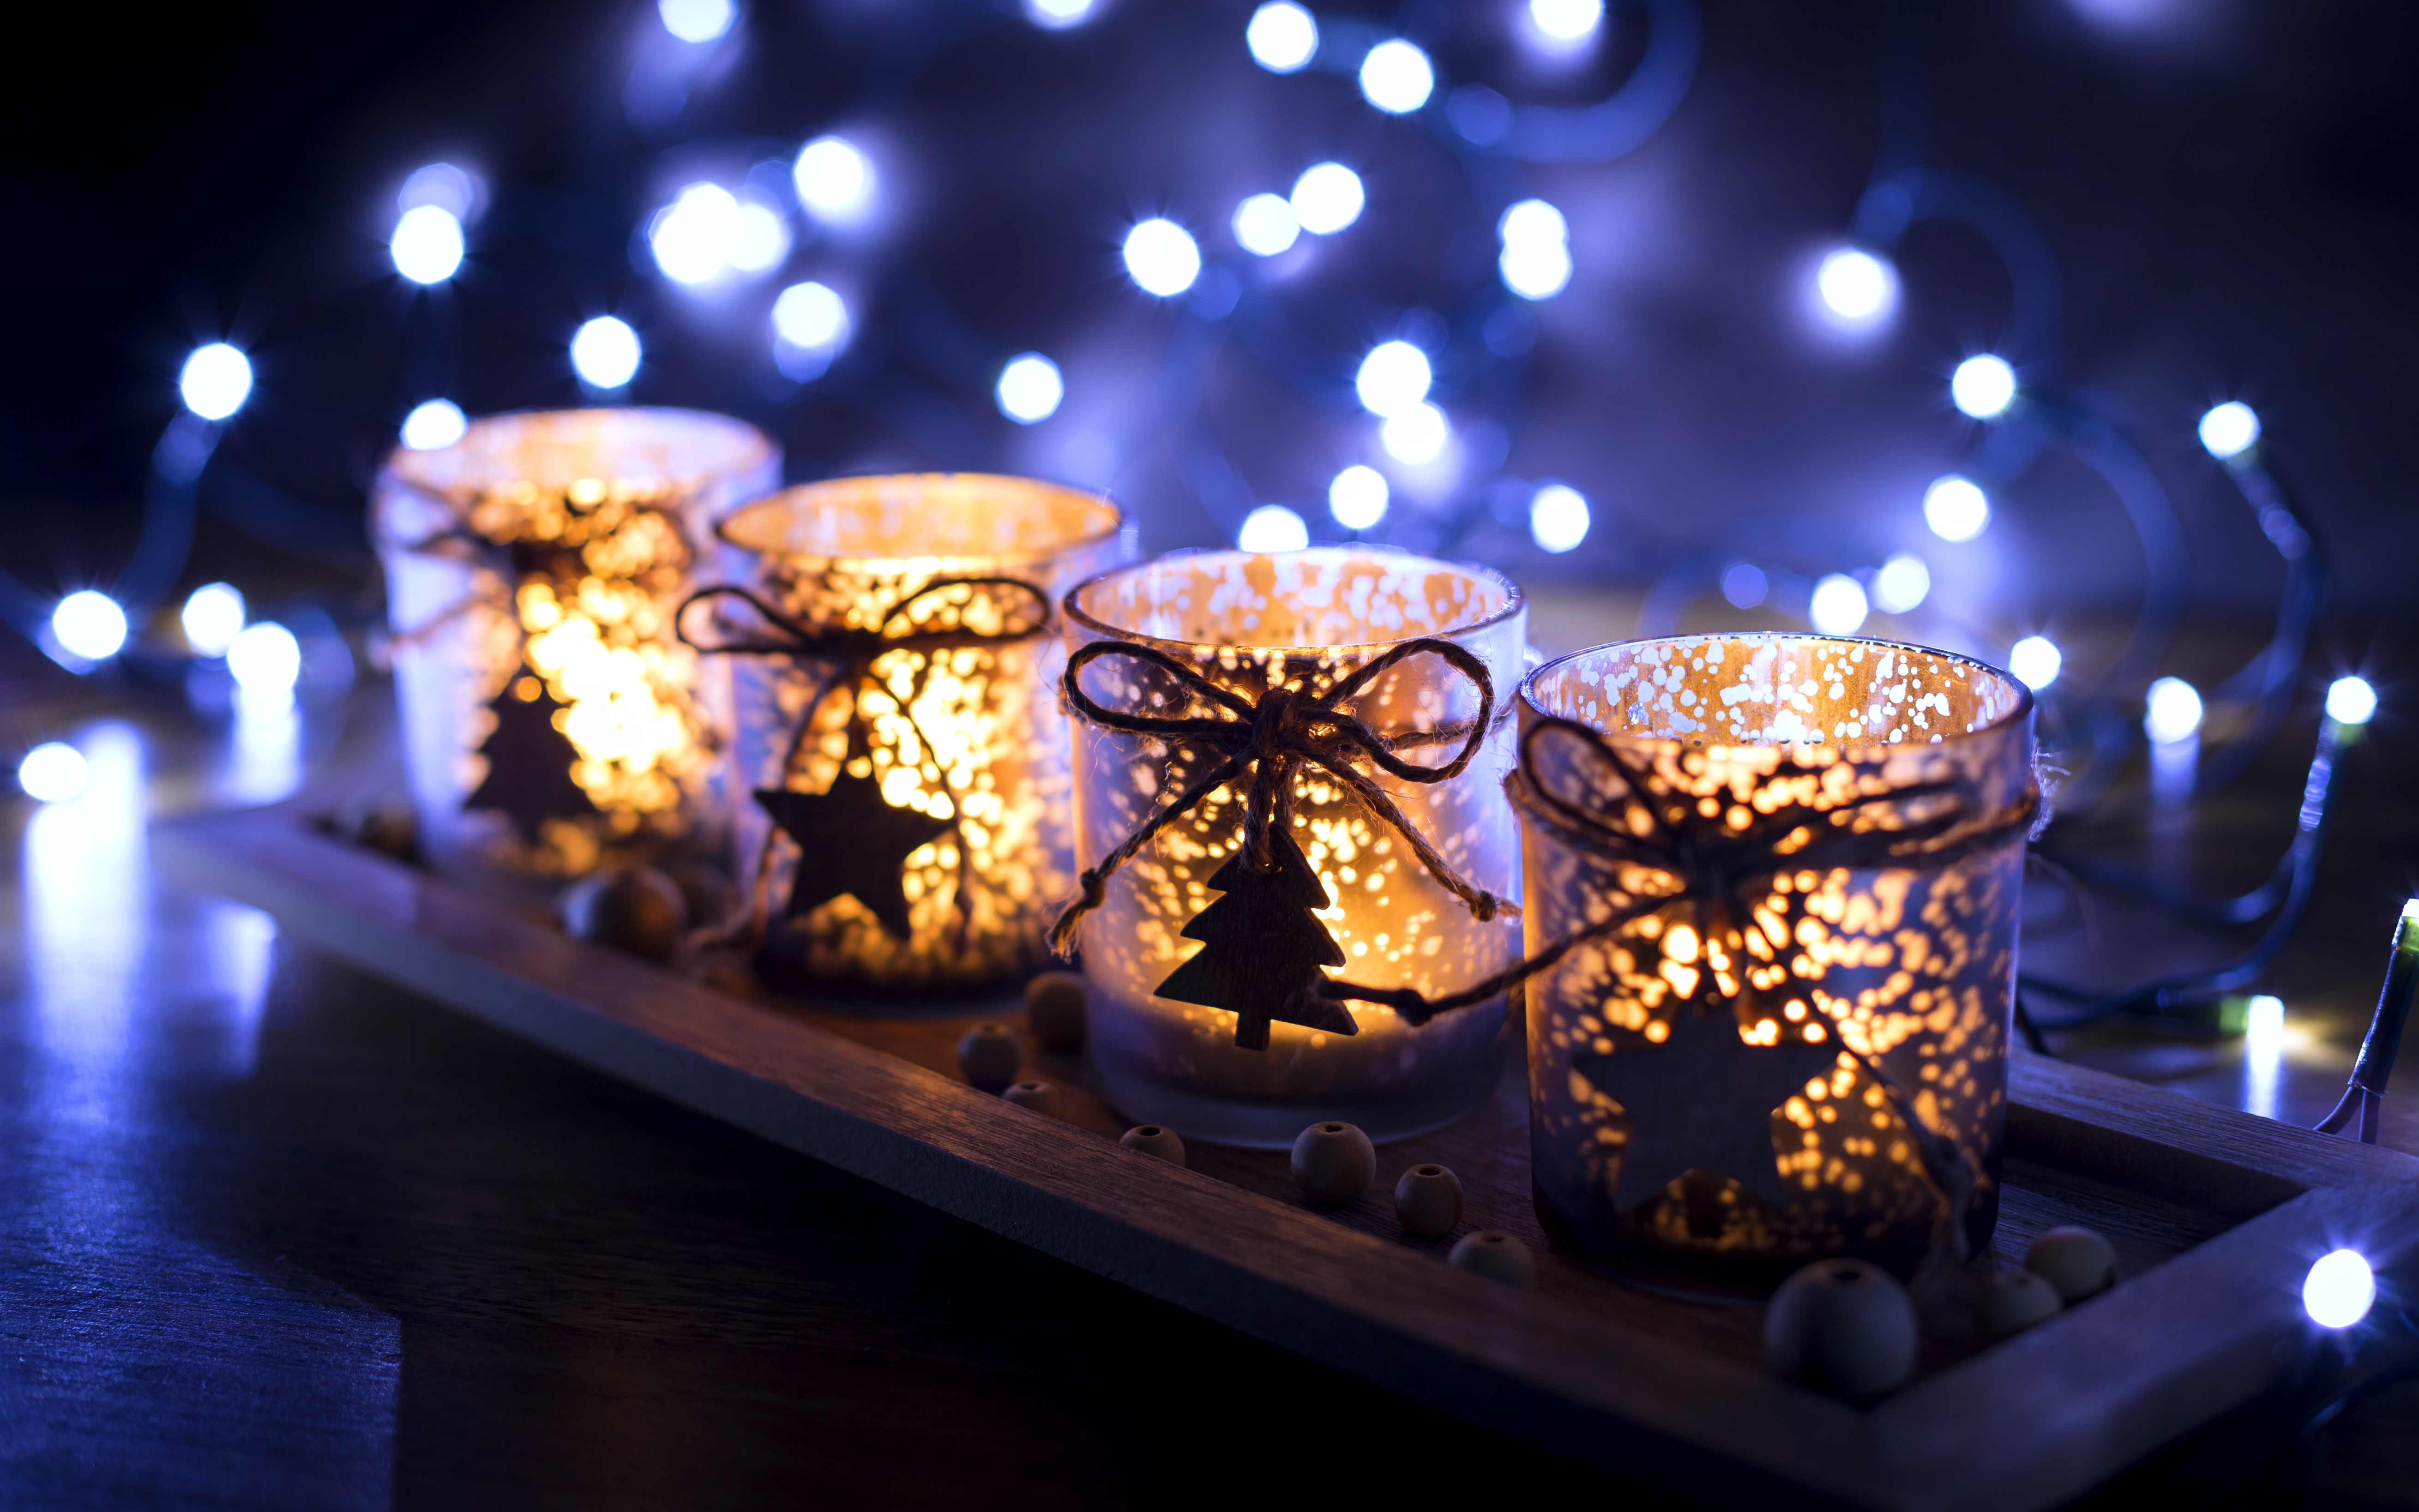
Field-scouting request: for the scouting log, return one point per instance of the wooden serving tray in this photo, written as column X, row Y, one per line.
column 2215, row 1214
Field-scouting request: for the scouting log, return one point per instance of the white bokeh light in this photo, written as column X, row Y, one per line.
column 456, row 190
column 266, row 662
column 1857, row 290
column 605, row 354
column 1535, row 261
column 1358, row 497
column 1745, row 585
column 693, row 236
column 1956, row 508
column 1265, row 225
column 1397, row 77
column 427, row 244
column 1417, row 436
column 2263, row 1053
column 215, row 380
column 2339, row 1290
column 90, row 623
column 1393, row 377
column 1903, row 584
column 1838, row 606
column 1530, row 222
column 212, row 618
column 2352, row 700
column 2036, row 661
column 697, row 21
column 438, row 423
column 761, row 240
column 1057, row 15
column 810, row 315
column 2229, row 430
column 1030, row 389
column 1983, row 386
column 1566, row 21
column 1273, row 528
column 1327, row 198
column 52, row 771
column 835, row 180
column 2171, row 711
column 1161, row 257
column 1558, row 517
column 1283, row 37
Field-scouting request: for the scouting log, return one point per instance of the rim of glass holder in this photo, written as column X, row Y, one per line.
column 1113, row 519
column 1515, row 601
column 750, row 448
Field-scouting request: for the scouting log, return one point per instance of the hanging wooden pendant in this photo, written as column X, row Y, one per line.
column 528, row 762
column 1262, row 950
column 852, row 841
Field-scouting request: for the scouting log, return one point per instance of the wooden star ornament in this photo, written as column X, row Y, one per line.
column 852, row 842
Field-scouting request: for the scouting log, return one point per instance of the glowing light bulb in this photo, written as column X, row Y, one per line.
column 1903, row 584
column 438, row 423
column 1956, row 508
column 1558, row 517
column 90, row 625
column 1566, row 21
column 1273, row 528
column 1858, row 289
column 692, row 236
column 1416, row 436
column 2229, row 430
column 53, row 773
column 1057, row 15
column 1983, row 386
column 2036, row 661
column 266, row 662
column 1397, row 77
column 1265, row 225
column 1395, row 376
column 2339, row 1290
column 212, row 618
column 1838, row 606
column 2172, row 712
column 215, row 382
column 1030, row 389
column 2352, row 700
column 1161, row 257
column 605, row 354
column 1358, row 497
column 1283, row 37
column 1743, row 585
column 835, row 180
column 427, row 244
column 1327, row 198
column 810, row 315
column 697, row 21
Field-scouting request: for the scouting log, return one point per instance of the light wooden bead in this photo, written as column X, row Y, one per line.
column 2079, row 1262
column 1428, row 1200
column 1844, row 1325
column 1333, row 1163
column 637, row 909
column 1497, row 1256
column 1040, row 1097
column 1053, row 1010
column 1153, row 1140
column 2011, row 1302
column 990, row 1056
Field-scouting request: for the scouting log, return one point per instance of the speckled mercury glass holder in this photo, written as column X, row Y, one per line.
column 552, row 721
column 1832, row 970
column 972, row 725
column 1306, row 619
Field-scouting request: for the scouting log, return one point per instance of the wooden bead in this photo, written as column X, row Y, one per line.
column 990, row 1056
column 1428, row 1200
column 2079, row 1262
column 1333, row 1163
column 2011, row 1302
column 637, row 909
column 1040, row 1097
column 1053, row 1010
column 1497, row 1256
column 1844, row 1325
column 1153, row 1140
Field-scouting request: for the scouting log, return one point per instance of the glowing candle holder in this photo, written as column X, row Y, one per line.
column 552, row 721
column 902, row 721
column 1366, row 905
column 1791, row 864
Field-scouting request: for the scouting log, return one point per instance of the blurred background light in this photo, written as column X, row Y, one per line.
column 2034, row 661
column 1838, row 606
column 1030, row 388
column 1558, row 517
column 1983, row 386
column 1903, row 584
column 1358, row 497
column 427, row 244
column 52, row 771
column 697, row 21
column 605, row 354
column 1566, row 21
column 1282, row 35
column 694, row 236
column 435, row 423
column 2229, row 430
column 1416, row 436
column 760, row 240
column 1395, row 376
column 456, row 190
column 1743, row 585
column 1397, row 77
column 2263, row 1053
column 90, row 623
column 1956, row 508
column 835, row 180
column 1161, row 257
column 1535, row 261
column 1265, row 225
column 212, row 618
column 2352, row 700
column 1327, row 198
column 1057, row 15
column 266, row 660
column 2171, row 711
column 810, row 315
column 1857, row 290
column 215, row 380
column 2339, row 1290
column 1273, row 528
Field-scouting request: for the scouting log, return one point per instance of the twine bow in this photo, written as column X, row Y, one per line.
column 1279, row 733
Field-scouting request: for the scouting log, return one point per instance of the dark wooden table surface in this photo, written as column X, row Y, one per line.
column 273, row 1234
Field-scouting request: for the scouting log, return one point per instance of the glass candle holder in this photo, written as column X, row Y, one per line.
column 1791, row 865
column 897, row 723
column 1178, row 932
column 551, row 720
